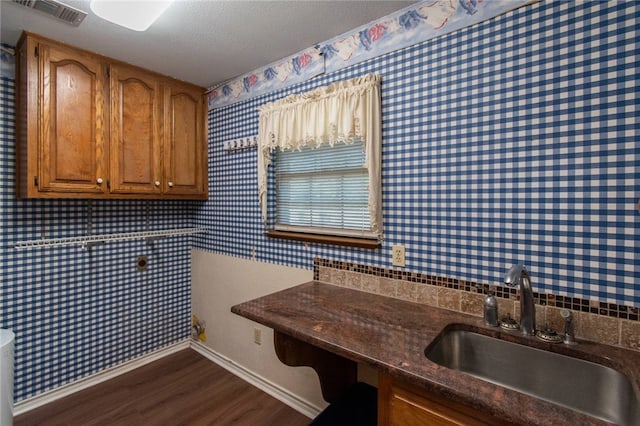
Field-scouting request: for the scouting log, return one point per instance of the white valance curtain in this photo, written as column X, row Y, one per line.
column 344, row 111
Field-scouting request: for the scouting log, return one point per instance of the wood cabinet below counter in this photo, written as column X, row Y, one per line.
column 403, row 404
column 93, row 127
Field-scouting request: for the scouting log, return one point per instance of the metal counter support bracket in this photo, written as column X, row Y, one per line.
column 336, row 373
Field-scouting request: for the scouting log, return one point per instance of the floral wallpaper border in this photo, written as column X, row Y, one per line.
column 286, row 72
column 411, row 25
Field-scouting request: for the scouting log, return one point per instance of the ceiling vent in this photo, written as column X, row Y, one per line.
column 55, row 9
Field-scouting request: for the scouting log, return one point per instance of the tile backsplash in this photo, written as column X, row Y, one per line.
column 599, row 322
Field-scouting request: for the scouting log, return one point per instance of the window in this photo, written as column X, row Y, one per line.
column 325, row 147
column 323, row 190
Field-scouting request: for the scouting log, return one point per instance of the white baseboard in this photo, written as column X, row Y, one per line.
column 109, row 373
column 304, row 407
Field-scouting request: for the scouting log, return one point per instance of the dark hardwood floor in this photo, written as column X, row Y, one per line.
column 181, row 389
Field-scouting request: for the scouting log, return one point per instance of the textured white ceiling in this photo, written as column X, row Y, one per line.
column 205, row 42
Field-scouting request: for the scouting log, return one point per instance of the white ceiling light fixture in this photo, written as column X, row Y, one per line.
column 135, row 15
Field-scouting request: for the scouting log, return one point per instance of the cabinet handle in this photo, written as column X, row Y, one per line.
column 99, row 180
column 157, row 183
column 170, row 184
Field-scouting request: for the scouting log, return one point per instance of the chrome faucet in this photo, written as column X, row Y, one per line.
column 518, row 275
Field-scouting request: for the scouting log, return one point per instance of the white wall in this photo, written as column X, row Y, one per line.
column 219, row 282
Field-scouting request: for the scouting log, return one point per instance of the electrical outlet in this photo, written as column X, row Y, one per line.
column 257, row 336
column 397, row 256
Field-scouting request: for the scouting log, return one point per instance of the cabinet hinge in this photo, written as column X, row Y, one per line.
column 35, row 51
column 35, row 181
column 108, row 184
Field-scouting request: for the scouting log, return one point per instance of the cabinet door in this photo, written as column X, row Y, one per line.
column 402, row 404
column 72, row 133
column 135, row 131
column 185, row 151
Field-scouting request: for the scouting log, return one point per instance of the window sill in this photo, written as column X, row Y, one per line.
column 324, row 239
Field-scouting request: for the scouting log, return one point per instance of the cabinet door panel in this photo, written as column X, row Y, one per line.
column 185, row 126
column 402, row 404
column 135, row 132
column 185, row 152
column 72, row 122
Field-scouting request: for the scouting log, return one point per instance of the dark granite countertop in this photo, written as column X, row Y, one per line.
column 391, row 335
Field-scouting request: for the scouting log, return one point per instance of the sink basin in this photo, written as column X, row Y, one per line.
column 584, row 386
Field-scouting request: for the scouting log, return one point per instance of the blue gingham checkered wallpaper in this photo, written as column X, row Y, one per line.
column 514, row 140
column 76, row 312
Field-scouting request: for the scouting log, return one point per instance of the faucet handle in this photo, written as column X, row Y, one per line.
column 569, row 338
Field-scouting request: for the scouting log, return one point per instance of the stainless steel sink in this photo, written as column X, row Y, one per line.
column 591, row 388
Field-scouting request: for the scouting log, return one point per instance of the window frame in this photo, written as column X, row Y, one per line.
column 344, row 111
column 308, row 166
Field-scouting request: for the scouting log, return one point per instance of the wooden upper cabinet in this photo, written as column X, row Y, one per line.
column 66, row 96
column 92, row 127
column 185, row 163
column 136, row 137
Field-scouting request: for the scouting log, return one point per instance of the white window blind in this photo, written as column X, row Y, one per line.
column 323, row 190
